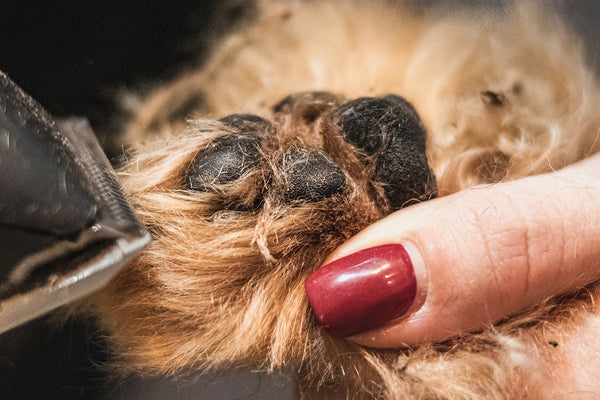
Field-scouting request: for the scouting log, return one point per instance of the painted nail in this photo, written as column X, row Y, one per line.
column 363, row 291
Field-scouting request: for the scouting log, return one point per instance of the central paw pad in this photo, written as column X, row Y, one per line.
column 311, row 176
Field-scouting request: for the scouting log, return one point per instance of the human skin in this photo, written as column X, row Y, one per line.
column 490, row 251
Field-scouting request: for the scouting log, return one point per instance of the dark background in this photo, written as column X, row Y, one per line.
column 75, row 58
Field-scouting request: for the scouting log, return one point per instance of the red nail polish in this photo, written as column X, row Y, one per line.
column 363, row 291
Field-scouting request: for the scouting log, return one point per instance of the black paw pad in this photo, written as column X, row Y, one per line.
column 306, row 105
column 311, row 176
column 226, row 161
column 371, row 124
column 247, row 123
column 389, row 130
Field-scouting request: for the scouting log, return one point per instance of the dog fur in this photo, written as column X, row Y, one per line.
column 502, row 94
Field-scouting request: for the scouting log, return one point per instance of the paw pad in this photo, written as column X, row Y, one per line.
column 247, row 123
column 306, row 105
column 388, row 130
column 226, row 161
column 311, row 176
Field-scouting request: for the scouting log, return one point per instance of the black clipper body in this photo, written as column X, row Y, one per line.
column 65, row 226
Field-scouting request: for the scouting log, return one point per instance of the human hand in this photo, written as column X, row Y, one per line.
column 462, row 262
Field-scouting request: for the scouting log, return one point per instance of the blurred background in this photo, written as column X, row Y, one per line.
column 77, row 58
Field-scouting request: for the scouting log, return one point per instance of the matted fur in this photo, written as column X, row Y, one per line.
column 502, row 96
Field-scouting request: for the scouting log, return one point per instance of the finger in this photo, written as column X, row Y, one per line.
column 462, row 262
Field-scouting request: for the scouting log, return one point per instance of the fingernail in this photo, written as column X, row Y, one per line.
column 363, row 291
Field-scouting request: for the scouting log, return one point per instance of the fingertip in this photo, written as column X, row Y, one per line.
column 367, row 289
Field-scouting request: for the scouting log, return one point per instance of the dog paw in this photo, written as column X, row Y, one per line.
column 242, row 210
column 384, row 134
